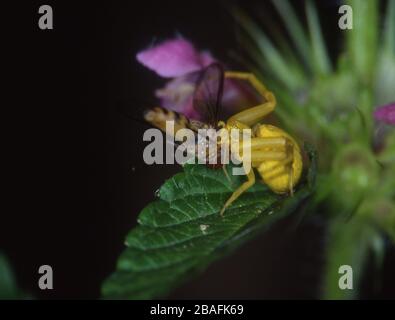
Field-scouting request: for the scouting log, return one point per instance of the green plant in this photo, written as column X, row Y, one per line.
column 331, row 106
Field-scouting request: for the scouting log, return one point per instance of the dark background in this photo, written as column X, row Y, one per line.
column 81, row 181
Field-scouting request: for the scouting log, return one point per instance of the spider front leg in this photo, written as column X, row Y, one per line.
column 261, row 149
column 240, row 190
column 255, row 114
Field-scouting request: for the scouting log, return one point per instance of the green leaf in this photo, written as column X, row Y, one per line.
column 349, row 243
column 385, row 79
column 182, row 233
column 321, row 60
column 385, row 68
column 294, row 28
column 389, row 33
column 362, row 39
column 7, row 281
column 275, row 61
column 8, row 286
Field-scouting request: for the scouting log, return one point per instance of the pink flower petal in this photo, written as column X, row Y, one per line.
column 177, row 94
column 171, row 58
column 386, row 114
column 206, row 58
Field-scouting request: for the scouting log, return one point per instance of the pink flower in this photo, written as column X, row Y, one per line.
column 177, row 94
column 179, row 60
column 174, row 58
column 386, row 114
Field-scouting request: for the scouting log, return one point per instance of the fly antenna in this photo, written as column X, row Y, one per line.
column 125, row 109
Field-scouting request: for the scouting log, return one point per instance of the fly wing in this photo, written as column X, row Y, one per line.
column 208, row 93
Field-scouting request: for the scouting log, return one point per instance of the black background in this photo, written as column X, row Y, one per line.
column 80, row 179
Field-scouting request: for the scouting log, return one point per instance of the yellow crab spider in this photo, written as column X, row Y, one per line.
column 274, row 153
